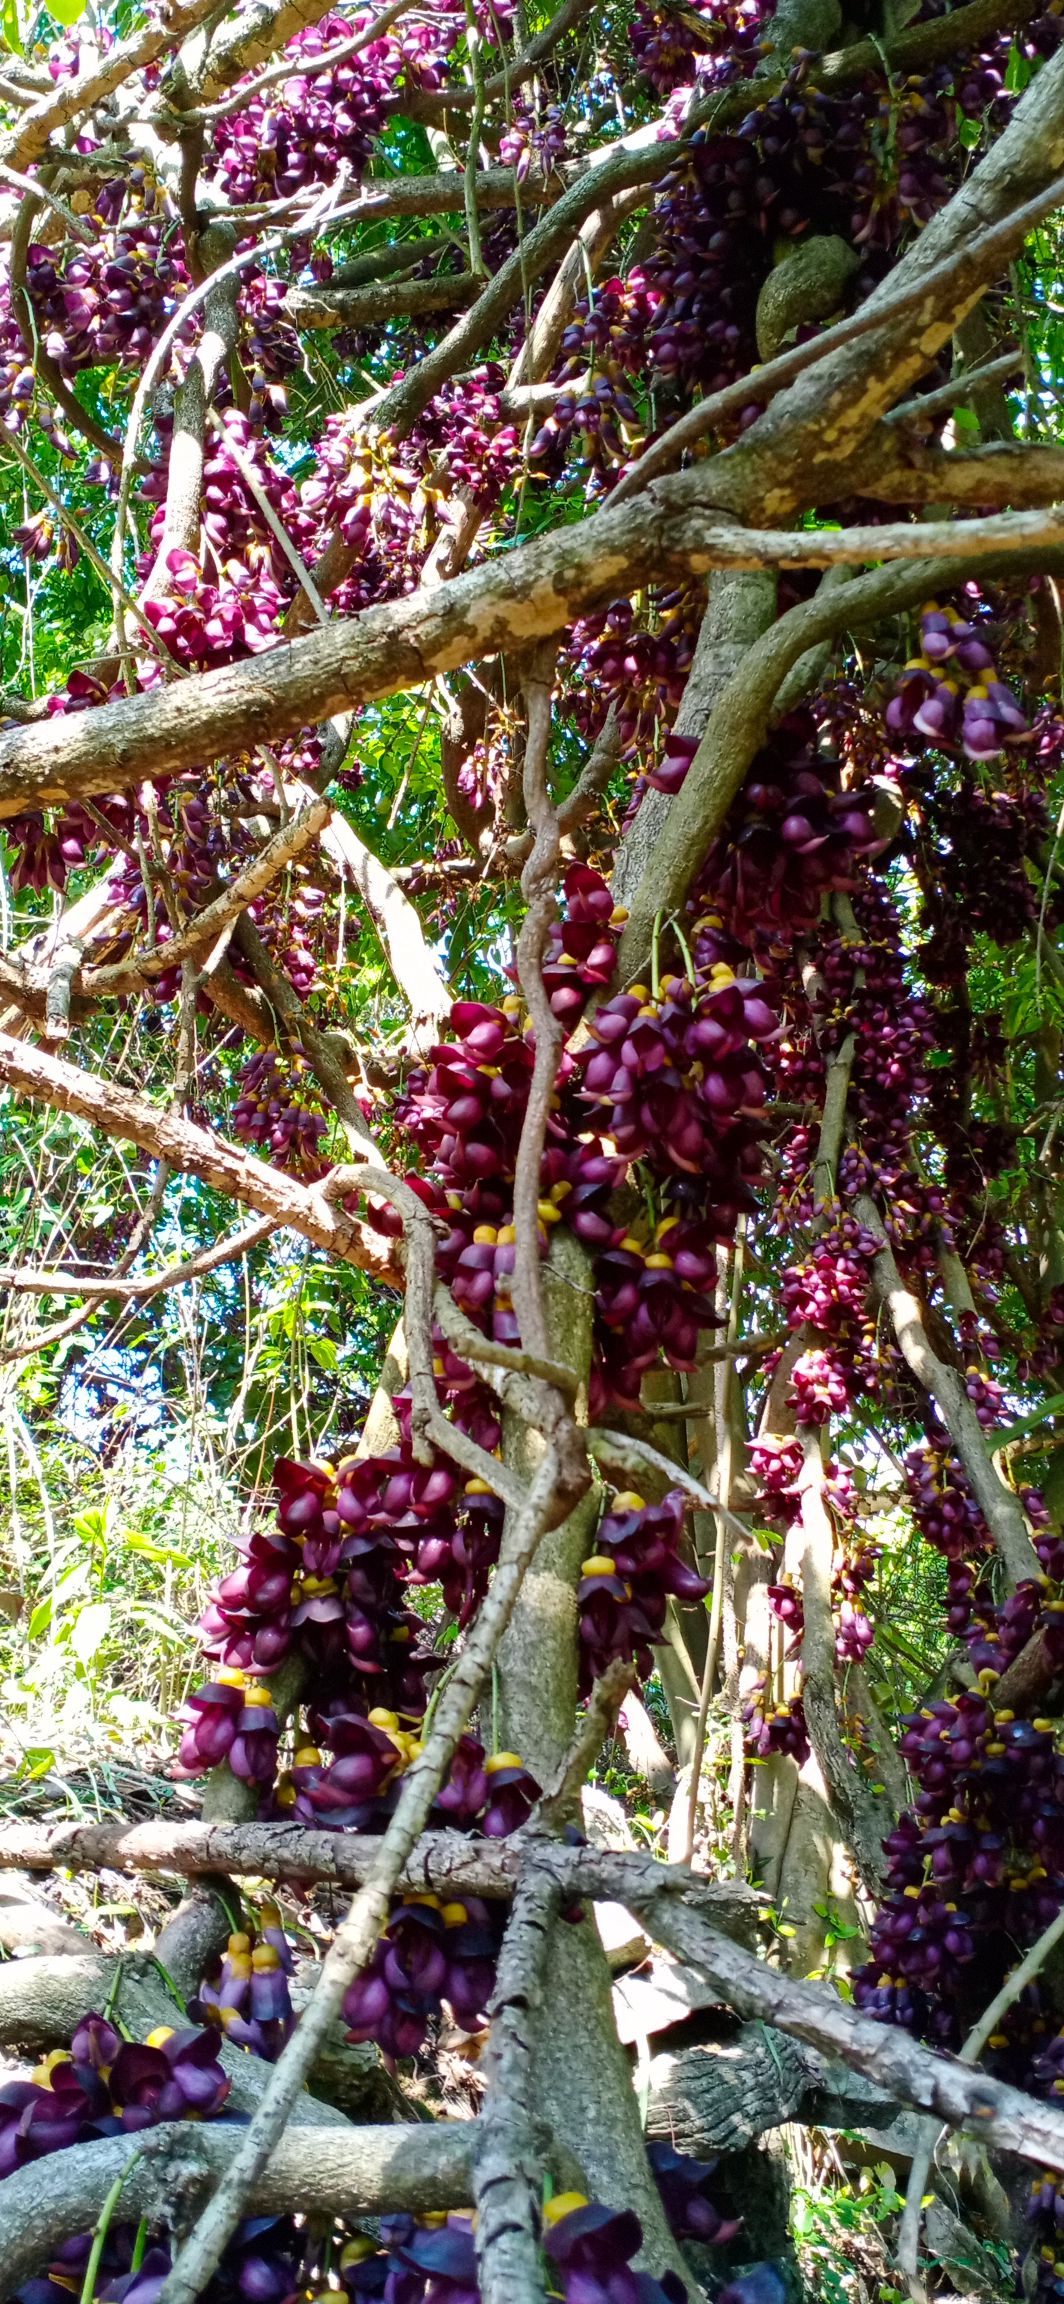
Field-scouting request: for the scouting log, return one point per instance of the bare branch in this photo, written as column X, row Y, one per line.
column 154, row 1283
column 1000, row 1507
column 508, row 2165
column 193, row 1151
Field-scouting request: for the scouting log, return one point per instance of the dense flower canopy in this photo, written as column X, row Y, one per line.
column 496, row 781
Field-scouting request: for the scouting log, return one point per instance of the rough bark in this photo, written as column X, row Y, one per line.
column 167, row 2170
column 579, row 2063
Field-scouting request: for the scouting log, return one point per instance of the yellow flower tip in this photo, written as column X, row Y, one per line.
column 230, row 1676
column 628, row 1500
column 270, row 1914
column 265, row 1958
column 563, row 2204
column 599, row 1564
column 454, row 1915
column 239, row 1945
column 633, row 1246
column 618, row 916
column 511, row 1004
column 485, row 1236
column 161, row 2034
column 42, row 2072
column 477, row 1487
column 380, row 1717
column 502, row 1760
column 308, row 1756
column 260, row 1699
column 639, row 991
column 356, row 2251
column 286, row 1793
column 547, row 1213
column 659, row 1262
column 721, row 976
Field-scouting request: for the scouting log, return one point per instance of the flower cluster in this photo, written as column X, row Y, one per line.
column 245, row 1994
column 966, row 706
column 626, row 1585
column 107, row 2086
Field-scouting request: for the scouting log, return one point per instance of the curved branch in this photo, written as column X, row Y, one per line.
column 1001, row 1509
column 134, row 1119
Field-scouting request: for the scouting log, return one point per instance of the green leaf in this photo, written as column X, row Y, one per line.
column 67, row 11
column 1039, row 1415
column 38, row 1758
column 135, row 1541
column 9, row 25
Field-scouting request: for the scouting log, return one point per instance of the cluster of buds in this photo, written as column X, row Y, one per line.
column 670, row 1070
column 626, row 1585
column 969, row 705
column 641, row 670
column 589, row 2251
column 773, row 1731
column 467, row 1111
column 533, row 135
column 203, row 624
column 277, row 1109
column 107, row 304
column 464, row 439
column 430, row 1952
column 792, row 835
column 718, row 39
column 976, row 1868
column 582, row 951
column 107, row 2085
column 245, row 1994
column 302, row 131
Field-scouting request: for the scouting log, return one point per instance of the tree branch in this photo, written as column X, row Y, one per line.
column 193, row 1151
column 165, row 2172
column 1001, row 1509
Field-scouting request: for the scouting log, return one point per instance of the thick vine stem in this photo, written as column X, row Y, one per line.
column 538, row 887
column 579, row 2062
column 507, row 2164
column 673, row 530
column 737, row 727
column 1000, row 2117
column 439, row 1863
column 865, row 1818
column 1001, row 1509
column 356, row 1938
